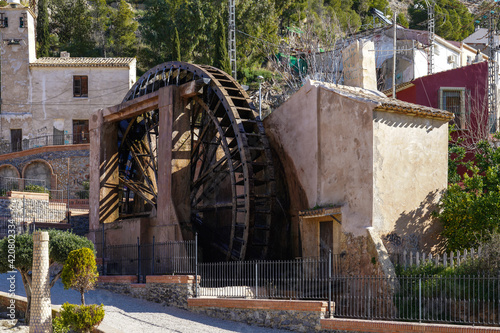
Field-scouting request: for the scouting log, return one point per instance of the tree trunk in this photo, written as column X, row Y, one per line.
column 27, row 287
column 83, row 299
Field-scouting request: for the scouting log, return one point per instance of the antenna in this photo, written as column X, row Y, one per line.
column 232, row 38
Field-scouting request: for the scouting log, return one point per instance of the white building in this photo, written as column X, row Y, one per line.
column 49, row 100
column 412, row 59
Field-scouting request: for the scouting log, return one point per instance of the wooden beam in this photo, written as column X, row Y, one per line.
column 132, row 108
column 193, row 88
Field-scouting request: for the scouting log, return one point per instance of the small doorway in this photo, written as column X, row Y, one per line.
column 16, row 139
column 80, row 131
column 325, row 238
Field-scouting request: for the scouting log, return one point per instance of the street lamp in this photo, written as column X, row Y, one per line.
column 260, row 78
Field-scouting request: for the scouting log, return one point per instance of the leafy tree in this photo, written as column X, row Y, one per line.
column 221, row 58
column 122, row 40
column 453, row 21
column 61, row 243
column 176, row 54
column 80, row 271
column 42, row 29
column 470, row 208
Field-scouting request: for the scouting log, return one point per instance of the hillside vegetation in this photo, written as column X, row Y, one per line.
column 148, row 29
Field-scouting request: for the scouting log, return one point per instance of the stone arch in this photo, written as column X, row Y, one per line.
column 39, row 170
column 9, row 177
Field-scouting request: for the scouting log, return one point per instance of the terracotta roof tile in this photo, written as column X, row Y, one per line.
column 82, row 62
column 386, row 104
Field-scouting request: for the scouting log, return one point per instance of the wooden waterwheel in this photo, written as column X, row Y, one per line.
column 231, row 174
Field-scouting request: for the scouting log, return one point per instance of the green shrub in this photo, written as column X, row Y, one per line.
column 35, row 188
column 58, row 326
column 80, row 271
column 81, row 318
column 84, row 194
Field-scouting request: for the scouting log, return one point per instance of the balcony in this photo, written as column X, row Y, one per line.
column 7, row 147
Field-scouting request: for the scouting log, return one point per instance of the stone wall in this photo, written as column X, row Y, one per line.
column 299, row 316
column 31, row 209
column 170, row 290
column 58, row 162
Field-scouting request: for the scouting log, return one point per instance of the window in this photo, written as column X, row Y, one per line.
column 80, row 131
column 453, row 100
column 80, row 86
column 4, row 21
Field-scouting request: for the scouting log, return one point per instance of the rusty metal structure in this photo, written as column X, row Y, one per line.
column 232, row 187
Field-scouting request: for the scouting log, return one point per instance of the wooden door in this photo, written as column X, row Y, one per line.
column 16, row 139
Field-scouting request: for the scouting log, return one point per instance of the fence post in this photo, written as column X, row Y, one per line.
column 24, row 208
column 330, row 283
column 153, row 258
column 196, row 265
column 103, row 250
column 419, row 299
column 256, row 280
column 138, row 261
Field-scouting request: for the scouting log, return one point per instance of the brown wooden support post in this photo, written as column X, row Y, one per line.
column 168, row 97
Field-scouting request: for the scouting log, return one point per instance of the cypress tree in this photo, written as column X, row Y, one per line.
column 177, row 46
column 221, row 59
column 42, row 29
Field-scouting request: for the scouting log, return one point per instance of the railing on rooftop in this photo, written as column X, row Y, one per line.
column 43, row 141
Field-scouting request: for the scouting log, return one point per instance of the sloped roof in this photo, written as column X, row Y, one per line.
column 384, row 103
column 82, row 62
column 480, row 36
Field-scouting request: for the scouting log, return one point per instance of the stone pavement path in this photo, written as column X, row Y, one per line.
column 131, row 315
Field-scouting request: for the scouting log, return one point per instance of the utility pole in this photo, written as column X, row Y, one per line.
column 492, row 76
column 394, row 52
column 430, row 33
column 232, row 37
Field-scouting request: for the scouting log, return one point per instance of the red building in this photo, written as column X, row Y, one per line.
column 463, row 91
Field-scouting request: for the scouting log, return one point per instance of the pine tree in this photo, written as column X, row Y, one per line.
column 123, row 40
column 42, row 29
column 176, row 55
column 221, row 58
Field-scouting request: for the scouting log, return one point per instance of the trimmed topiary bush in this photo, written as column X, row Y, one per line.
column 80, row 271
column 81, row 318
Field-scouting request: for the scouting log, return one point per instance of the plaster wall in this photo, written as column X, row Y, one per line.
column 345, row 173
column 359, row 65
column 329, row 161
column 441, row 57
column 15, row 59
column 53, row 104
column 410, row 163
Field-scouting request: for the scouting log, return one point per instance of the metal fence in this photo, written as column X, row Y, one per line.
column 43, row 141
column 156, row 258
column 464, row 299
column 303, row 278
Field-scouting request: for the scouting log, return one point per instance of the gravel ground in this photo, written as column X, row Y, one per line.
column 131, row 315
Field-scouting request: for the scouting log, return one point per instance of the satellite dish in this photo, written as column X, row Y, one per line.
column 14, row 3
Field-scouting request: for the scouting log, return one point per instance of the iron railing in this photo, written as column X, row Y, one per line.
column 462, row 299
column 303, row 278
column 156, row 258
column 43, row 141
